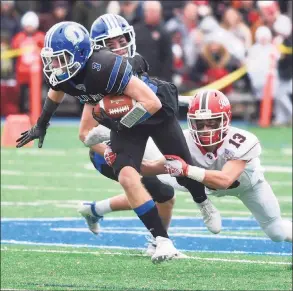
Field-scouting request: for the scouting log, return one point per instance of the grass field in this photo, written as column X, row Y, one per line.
column 45, row 245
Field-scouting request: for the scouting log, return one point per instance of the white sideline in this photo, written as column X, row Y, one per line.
column 144, row 255
column 178, row 234
column 114, row 218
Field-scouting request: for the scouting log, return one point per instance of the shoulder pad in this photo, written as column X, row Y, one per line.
column 241, row 145
column 139, row 64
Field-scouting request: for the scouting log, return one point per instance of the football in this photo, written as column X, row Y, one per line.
column 115, row 106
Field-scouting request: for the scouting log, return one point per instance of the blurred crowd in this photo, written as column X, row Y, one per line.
column 191, row 43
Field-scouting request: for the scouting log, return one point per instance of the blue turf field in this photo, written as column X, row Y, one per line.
column 188, row 234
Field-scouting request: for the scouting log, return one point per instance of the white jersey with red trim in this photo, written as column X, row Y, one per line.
column 239, row 144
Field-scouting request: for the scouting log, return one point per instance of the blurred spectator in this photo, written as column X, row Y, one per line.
column 9, row 19
column 210, row 26
column 203, row 8
column 269, row 12
column 258, row 63
column 132, row 11
column 250, row 14
column 28, row 5
column 283, row 105
column 30, row 37
column 7, row 65
column 86, row 12
column 113, row 7
column 185, row 23
column 60, row 12
column 219, row 7
column 153, row 42
column 179, row 68
column 213, row 63
column 232, row 22
column 171, row 8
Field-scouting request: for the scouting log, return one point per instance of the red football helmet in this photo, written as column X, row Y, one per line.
column 209, row 115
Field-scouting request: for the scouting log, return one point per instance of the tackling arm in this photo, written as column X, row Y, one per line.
column 226, row 177
column 215, row 179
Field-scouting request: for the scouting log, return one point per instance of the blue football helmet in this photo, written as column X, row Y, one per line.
column 67, row 48
column 109, row 26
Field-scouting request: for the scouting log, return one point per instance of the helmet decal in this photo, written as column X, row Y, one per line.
column 73, row 34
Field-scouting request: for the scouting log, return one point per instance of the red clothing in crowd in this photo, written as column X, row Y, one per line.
column 29, row 58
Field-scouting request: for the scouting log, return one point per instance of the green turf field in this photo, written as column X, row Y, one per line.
column 50, row 182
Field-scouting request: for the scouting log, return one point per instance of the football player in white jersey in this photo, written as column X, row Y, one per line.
column 227, row 160
column 228, row 163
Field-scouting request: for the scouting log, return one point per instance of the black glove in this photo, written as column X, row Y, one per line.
column 104, row 119
column 36, row 131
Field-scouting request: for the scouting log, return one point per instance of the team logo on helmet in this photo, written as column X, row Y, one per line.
column 223, row 102
column 74, row 34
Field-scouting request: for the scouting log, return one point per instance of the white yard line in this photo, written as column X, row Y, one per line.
column 51, row 174
column 89, row 166
column 175, row 234
column 44, row 152
column 237, row 201
column 231, row 212
column 99, row 253
column 41, row 188
column 279, row 183
column 287, row 151
column 277, row 169
column 114, row 218
column 35, row 152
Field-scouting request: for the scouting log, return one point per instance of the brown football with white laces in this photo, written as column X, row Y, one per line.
column 115, row 106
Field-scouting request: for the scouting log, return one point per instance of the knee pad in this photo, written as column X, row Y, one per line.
column 275, row 230
column 159, row 191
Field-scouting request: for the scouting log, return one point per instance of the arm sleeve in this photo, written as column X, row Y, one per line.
column 55, row 88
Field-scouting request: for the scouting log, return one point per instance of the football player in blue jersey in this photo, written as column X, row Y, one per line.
column 120, row 39
column 71, row 66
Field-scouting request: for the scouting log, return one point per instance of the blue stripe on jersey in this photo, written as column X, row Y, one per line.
column 152, row 86
column 114, row 74
column 98, row 161
column 126, row 77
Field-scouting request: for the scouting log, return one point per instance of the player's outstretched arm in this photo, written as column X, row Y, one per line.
column 39, row 129
column 214, row 179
